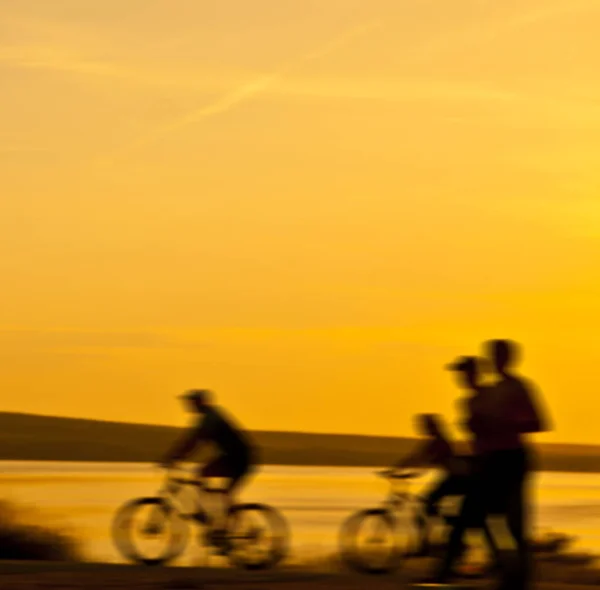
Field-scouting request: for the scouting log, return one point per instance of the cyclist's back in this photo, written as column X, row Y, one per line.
column 234, row 460
column 436, row 450
column 215, row 426
column 235, row 457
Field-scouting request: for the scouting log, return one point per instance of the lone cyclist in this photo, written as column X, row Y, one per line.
column 235, row 458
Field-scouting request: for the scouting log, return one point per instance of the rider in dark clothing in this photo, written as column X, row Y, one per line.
column 437, row 451
column 456, row 471
column 236, row 455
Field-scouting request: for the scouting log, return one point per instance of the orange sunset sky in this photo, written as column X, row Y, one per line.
column 309, row 206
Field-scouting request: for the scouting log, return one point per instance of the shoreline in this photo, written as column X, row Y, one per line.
column 50, row 438
column 375, row 466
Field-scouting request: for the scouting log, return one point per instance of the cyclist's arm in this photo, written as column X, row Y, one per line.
column 186, row 445
column 417, row 458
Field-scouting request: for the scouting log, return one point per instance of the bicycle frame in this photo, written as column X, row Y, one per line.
column 398, row 498
column 172, row 488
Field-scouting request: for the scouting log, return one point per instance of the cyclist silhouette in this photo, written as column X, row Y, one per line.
column 436, row 451
column 457, row 469
column 236, row 455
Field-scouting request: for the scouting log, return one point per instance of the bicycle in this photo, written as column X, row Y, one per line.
column 385, row 547
column 170, row 512
column 390, row 543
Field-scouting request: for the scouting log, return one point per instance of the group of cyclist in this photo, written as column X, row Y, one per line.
column 492, row 477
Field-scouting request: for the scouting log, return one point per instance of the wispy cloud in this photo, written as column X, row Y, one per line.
column 23, row 149
column 90, row 54
column 56, row 58
column 553, row 11
column 62, row 58
column 252, row 88
column 479, row 32
column 567, row 107
column 61, row 339
column 401, row 89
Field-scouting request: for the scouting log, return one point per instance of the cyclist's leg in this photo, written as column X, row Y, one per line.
column 472, row 510
column 235, row 470
column 434, row 495
column 423, row 519
column 240, row 469
column 450, row 485
column 218, row 468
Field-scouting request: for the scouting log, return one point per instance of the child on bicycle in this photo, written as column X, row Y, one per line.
column 437, row 451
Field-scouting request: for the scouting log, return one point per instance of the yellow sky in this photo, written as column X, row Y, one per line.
column 308, row 206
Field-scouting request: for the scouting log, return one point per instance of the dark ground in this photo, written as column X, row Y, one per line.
column 35, row 575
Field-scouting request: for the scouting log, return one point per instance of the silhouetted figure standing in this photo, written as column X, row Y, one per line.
column 469, row 377
column 498, row 417
column 509, row 414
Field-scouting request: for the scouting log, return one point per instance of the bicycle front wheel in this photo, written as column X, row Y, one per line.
column 149, row 531
column 258, row 536
column 369, row 542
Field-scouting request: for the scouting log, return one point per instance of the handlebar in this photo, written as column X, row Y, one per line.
column 394, row 474
column 187, row 477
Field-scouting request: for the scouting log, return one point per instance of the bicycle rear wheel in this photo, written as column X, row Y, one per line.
column 258, row 536
column 149, row 519
column 370, row 543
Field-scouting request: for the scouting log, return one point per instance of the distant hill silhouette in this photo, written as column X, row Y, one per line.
column 33, row 437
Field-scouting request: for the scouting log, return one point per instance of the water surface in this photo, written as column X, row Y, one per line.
column 315, row 500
